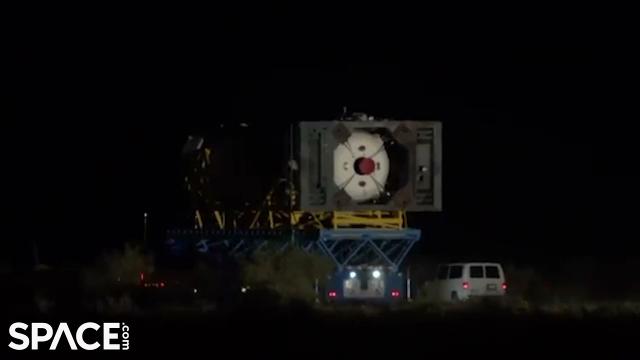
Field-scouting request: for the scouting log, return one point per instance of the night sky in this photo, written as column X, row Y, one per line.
column 538, row 157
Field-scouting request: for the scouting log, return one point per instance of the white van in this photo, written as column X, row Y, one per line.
column 461, row 281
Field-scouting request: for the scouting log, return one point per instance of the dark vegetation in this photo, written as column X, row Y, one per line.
column 578, row 287
column 278, row 312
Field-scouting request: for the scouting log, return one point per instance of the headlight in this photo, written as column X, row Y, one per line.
column 376, row 274
column 352, row 274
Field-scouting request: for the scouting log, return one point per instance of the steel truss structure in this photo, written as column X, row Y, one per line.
column 355, row 247
column 346, row 247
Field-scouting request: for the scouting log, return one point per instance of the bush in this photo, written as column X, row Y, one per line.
column 291, row 275
column 421, row 294
column 118, row 270
column 119, row 305
column 527, row 285
column 43, row 303
column 206, row 278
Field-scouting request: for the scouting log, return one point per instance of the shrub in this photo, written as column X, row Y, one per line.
column 118, row 269
column 527, row 284
column 208, row 280
column 421, row 294
column 115, row 305
column 291, row 274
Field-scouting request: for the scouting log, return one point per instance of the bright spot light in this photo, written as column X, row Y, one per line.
column 244, row 289
column 376, row 273
column 195, row 291
column 352, row 274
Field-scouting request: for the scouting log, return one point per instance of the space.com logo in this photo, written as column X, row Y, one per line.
column 109, row 336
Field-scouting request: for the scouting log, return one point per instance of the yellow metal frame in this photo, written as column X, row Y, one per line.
column 369, row 219
column 279, row 219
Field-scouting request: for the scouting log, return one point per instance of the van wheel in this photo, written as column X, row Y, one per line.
column 454, row 296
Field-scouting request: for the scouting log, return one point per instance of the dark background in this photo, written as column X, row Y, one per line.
column 539, row 155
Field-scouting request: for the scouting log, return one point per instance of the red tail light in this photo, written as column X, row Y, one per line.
column 332, row 294
column 504, row 286
column 465, row 285
column 395, row 293
column 161, row 284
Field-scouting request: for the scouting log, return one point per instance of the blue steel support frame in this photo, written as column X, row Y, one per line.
column 235, row 243
column 347, row 247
